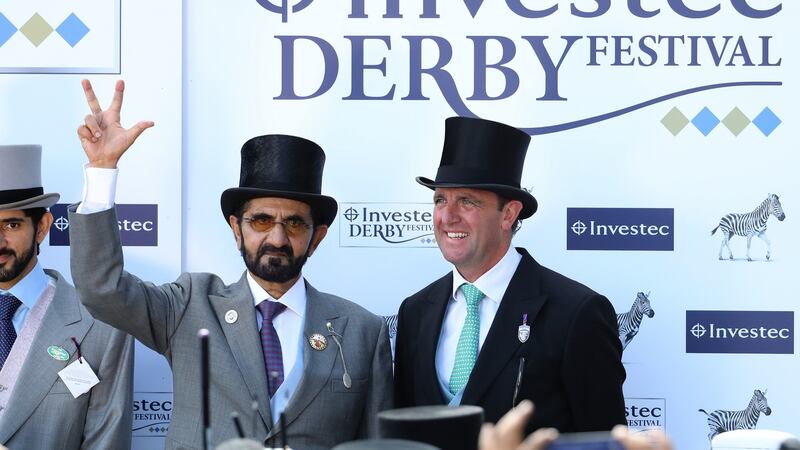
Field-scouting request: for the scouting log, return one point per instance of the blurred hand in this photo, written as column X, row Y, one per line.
column 646, row 440
column 508, row 433
column 103, row 138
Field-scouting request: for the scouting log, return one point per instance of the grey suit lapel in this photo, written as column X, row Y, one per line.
column 62, row 321
column 317, row 365
column 243, row 339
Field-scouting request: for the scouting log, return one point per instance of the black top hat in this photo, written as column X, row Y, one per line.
column 482, row 154
column 384, row 444
column 277, row 165
column 445, row 427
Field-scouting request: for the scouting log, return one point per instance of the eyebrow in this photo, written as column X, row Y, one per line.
column 261, row 216
column 12, row 220
column 470, row 198
column 270, row 216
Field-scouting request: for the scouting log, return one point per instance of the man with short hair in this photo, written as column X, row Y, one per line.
column 274, row 340
column 501, row 328
column 44, row 330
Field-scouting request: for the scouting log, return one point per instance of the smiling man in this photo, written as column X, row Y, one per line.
column 274, row 340
column 44, row 330
column 501, row 328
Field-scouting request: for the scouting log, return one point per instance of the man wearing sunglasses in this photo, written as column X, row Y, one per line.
column 274, row 339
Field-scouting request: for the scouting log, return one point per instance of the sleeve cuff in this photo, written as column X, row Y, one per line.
column 99, row 189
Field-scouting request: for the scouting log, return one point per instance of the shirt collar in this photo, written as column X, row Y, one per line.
column 495, row 281
column 30, row 288
column 294, row 298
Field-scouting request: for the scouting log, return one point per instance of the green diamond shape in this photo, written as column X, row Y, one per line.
column 674, row 121
column 736, row 121
column 36, row 29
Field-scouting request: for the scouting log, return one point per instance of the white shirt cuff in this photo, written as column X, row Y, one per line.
column 99, row 189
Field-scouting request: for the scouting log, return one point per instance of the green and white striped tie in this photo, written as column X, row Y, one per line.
column 467, row 349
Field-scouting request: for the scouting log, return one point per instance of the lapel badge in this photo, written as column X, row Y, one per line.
column 58, row 353
column 318, row 342
column 231, row 316
column 524, row 330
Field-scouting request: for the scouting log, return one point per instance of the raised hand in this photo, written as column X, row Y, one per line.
column 103, row 138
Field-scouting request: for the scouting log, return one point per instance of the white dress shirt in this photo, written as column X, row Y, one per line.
column 99, row 189
column 493, row 284
column 289, row 323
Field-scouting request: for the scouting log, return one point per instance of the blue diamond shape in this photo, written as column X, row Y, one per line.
column 7, row 29
column 705, row 121
column 766, row 121
column 72, row 29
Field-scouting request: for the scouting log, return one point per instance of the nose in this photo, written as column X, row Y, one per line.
column 277, row 236
column 448, row 213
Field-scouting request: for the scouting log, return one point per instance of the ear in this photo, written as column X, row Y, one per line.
column 510, row 214
column 237, row 230
column 319, row 234
column 44, row 227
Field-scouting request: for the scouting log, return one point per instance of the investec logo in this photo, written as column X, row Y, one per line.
column 152, row 413
column 386, row 225
column 138, row 225
column 620, row 229
column 646, row 413
column 740, row 332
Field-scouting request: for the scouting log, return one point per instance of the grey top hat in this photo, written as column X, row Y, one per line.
column 21, row 178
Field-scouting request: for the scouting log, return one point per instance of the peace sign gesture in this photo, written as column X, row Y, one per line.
column 103, row 138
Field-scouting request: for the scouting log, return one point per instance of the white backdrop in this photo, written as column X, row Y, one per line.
column 215, row 86
column 375, row 149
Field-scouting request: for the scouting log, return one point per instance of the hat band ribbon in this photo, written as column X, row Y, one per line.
column 17, row 195
column 470, row 175
column 283, row 187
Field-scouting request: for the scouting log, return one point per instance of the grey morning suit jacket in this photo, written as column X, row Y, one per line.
column 322, row 412
column 42, row 414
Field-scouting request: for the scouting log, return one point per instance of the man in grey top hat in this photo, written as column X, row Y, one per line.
column 500, row 327
column 275, row 340
column 50, row 346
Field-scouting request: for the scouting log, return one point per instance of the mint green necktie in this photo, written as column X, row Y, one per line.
column 467, row 348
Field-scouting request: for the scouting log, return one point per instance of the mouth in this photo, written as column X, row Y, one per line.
column 457, row 236
column 275, row 254
column 4, row 257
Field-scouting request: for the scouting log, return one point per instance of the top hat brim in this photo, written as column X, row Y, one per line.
column 385, row 444
column 40, row 201
column 529, row 203
column 322, row 206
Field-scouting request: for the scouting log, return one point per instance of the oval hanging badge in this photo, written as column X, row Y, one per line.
column 524, row 330
column 58, row 353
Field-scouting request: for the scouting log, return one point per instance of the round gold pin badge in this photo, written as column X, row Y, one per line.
column 318, row 342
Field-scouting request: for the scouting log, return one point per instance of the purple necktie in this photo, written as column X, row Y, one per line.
column 271, row 345
column 8, row 306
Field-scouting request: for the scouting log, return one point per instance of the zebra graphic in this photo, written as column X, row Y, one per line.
column 749, row 224
column 629, row 322
column 391, row 322
column 720, row 420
